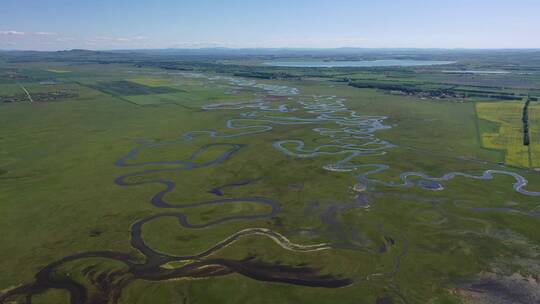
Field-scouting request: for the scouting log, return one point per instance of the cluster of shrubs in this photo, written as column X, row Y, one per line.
column 497, row 96
column 266, row 75
column 40, row 97
column 412, row 89
column 409, row 89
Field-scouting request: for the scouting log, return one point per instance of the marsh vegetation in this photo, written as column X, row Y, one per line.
column 215, row 178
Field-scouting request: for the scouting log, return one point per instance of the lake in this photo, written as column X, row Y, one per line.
column 356, row 63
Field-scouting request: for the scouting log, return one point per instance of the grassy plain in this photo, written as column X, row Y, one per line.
column 57, row 192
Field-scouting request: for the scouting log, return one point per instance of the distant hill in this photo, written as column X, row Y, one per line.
column 513, row 58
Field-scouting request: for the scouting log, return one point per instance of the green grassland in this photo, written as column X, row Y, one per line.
column 57, row 167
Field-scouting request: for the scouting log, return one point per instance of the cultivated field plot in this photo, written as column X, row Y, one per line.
column 509, row 134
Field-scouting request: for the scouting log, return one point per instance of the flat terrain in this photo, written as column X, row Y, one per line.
column 509, row 134
column 166, row 185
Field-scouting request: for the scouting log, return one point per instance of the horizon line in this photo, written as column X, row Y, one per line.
column 270, row 48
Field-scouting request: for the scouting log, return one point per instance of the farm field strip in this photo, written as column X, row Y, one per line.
column 510, row 134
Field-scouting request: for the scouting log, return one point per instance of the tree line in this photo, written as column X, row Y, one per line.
column 525, row 120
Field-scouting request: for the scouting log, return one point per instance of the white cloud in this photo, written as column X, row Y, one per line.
column 105, row 39
column 196, row 45
column 64, row 39
column 45, row 34
column 11, row 33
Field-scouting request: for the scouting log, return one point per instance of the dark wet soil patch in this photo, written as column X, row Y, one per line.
column 299, row 186
column 330, row 215
column 384, row 300
column 496, row 289
column 96, row 232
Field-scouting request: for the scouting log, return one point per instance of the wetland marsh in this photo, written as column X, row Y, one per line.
column 155, row 185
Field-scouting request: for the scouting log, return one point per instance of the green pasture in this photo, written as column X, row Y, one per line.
column 57, row 167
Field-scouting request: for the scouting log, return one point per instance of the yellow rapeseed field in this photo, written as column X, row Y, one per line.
column 510, row 134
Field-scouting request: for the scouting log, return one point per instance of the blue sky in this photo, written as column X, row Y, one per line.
column 122, row 24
